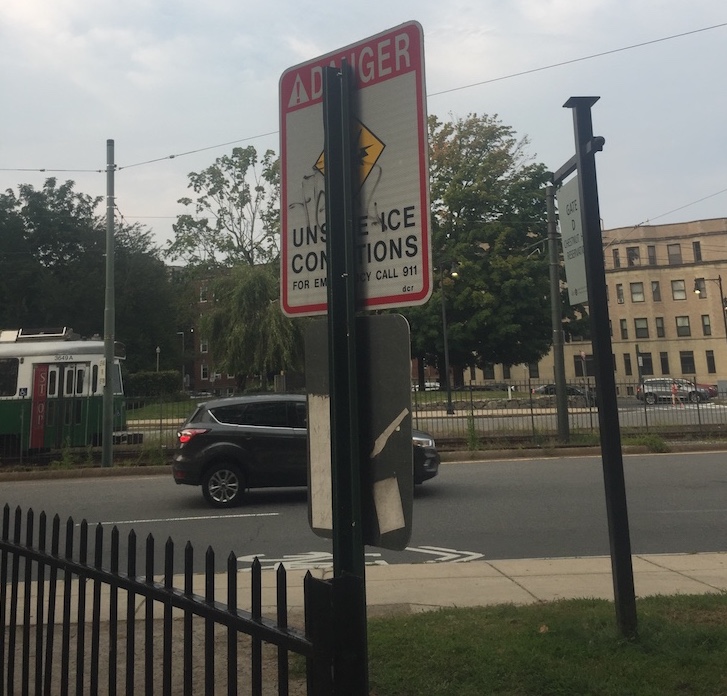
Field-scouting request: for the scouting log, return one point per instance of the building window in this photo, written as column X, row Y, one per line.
column 620, row 293
column 711, row 365
column 204, row 371
column 700, row 288
column 533, row 370
column 660, row 332
column 203, row 293
column 641, row 328
column 646, row 364
column 633, row 258
column 637, row 292
column 506, row 372
column 664, row 358
column 624, row 329
column 655, row 291
column 627, row 364
column 651, row 253
column 204, row 346
column 678, row 290
column 686, row 357
column 488, row 370
column 616, row 259
column 706, row 325
column 683, row 326
column 674, row 252
column 697, row 249
column 578, row 363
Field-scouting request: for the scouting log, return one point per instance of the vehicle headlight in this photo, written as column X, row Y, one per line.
column 420, row 441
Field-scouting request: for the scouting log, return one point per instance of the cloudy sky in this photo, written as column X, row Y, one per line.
column 164, row 77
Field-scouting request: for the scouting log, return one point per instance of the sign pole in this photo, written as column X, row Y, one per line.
column 350, row 663
column 612, row 458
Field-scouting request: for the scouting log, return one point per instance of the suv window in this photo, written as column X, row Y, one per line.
column 269, row 414
column 233, row 415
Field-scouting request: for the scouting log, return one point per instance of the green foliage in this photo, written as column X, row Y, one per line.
column 568, row 647
column 140, row 384
column 654, row 443
column 248, row 333
column 52, row 271
column 488, row 219
column 234, row 218
column 473, row 441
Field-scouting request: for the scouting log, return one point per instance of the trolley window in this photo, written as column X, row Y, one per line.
column 9, row 376
column 53, row 381
column 80, row 377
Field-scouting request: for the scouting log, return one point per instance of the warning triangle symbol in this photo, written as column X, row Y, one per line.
column 298, row 96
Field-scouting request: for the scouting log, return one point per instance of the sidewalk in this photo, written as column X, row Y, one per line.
column 410, row 588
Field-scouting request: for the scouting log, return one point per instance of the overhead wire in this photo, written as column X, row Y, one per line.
column 433, row 94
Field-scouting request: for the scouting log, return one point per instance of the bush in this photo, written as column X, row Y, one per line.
column 153, row 384
column 654, row 443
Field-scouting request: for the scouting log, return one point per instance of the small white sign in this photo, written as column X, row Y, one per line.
column 571, row 230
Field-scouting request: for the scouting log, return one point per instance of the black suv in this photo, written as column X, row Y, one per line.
column 230, row 445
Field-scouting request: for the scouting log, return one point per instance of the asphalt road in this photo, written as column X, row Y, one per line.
column 498, row 509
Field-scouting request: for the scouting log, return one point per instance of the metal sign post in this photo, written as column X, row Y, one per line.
column 351, row 645
column 612, row 459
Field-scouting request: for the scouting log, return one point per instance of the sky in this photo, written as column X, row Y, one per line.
column 177, row 84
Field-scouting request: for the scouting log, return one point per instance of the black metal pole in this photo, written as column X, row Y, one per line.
column 561, row 396
column 610, row 434
column 722, row 305
column 350, row 664
column 445, row 331
column 109, row 330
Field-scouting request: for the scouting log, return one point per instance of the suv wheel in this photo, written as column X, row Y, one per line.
column 223, row 485
column 694, row 397
column 650, row 398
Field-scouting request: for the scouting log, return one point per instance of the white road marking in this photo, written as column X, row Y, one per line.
column 323, row 559
column 188, row 519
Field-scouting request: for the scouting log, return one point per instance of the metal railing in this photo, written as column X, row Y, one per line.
column 524, row 413
column 69, row 624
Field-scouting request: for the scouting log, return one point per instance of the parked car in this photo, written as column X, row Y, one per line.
column 711, row 389
column 589, row 395
column 657, row 389
column 428, row 386
column 231, row 445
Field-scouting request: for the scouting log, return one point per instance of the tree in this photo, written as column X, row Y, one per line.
column 247, row 332
column 53, row 271
column 488, row 220
column 234, row 218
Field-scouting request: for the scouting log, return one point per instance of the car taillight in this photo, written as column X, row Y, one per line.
column 188, row 433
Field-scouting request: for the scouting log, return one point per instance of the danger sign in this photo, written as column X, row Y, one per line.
column 393, row 254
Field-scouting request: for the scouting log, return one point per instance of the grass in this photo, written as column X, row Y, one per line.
column 176, row 410
column 654, row 443
column 553, row 649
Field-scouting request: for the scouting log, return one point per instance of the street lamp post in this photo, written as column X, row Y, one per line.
column 445, row 332
column 723, row 306
column 181, row 333
column 159, row 350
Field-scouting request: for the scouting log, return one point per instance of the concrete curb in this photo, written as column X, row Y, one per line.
column 448, row 457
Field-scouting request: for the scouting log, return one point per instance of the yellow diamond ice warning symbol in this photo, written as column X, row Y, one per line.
column 368, row 149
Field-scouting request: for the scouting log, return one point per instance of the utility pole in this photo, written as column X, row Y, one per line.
column 561, row 396
column 109, row 328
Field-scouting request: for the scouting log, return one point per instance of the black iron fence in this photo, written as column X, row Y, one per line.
column 72, row 624
column 524, row 410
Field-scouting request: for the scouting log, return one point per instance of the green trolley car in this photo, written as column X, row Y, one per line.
column 51, row 390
